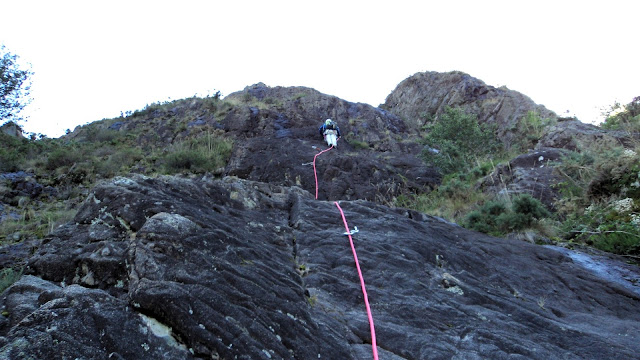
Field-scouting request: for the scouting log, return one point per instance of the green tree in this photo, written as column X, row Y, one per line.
column 459, row 140
column 15, row 86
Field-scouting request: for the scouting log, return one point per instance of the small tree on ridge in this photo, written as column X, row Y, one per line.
column 15, row 86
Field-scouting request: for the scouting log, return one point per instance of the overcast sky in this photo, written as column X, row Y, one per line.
column 95, row 59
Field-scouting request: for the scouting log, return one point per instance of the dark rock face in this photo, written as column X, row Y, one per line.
column 302, row 110
column 530, row 173
column 182, row 268
column 342, row 174
column 429, row 93
column 277, row 145
column 16, row 255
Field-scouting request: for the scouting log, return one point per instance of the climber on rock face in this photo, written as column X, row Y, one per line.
column 331, row 132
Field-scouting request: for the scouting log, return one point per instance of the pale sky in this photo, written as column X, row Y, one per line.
column 95, row 59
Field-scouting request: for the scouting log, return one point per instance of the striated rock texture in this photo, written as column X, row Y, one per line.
column 376, row 158
column 181, row 268
column 426, row 95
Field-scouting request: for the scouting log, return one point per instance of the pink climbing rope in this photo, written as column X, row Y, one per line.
column 314, row 168
column 364, row 291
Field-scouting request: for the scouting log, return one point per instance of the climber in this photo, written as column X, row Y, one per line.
column 331, row 132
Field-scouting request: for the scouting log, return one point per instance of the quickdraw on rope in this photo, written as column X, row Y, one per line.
column 364, row 291
column 314, row 168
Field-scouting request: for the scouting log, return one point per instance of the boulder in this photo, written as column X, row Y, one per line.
column 178, row 268
column 46, row 321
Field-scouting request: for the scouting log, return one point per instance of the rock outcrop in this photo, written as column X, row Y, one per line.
column 275, row 138
column 572, row 134
column 181, row 268
column 425, row 95
column 373, row 161
column 531, row 173
column 12, row 129
column 16, row 185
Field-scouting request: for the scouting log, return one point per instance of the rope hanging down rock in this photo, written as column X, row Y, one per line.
column 364, row 290
column 355, row 257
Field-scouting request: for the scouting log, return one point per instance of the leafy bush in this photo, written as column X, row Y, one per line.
column 497, row 218
column 618, row 238
column 599, row 172
column 455, row 188
column 99, row 134
column 460, row 141
column 119, row 162
column 203, row 154
column 14, row 152
column 185, row 159
column 612, row 226
column 10, row 159
column 451, row 200
column 617, row 174
column 530, row 207
column 531, row 127
column 62, row 157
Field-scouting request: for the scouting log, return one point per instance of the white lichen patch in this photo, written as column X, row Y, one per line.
column 455, row 289
column 122, row 181
column 177, row 222
column 162, row 331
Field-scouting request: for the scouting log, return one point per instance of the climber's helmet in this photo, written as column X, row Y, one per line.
column 328, row 122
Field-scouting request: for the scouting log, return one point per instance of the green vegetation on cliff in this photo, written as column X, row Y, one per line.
column 600, row 183
column 160, row 139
